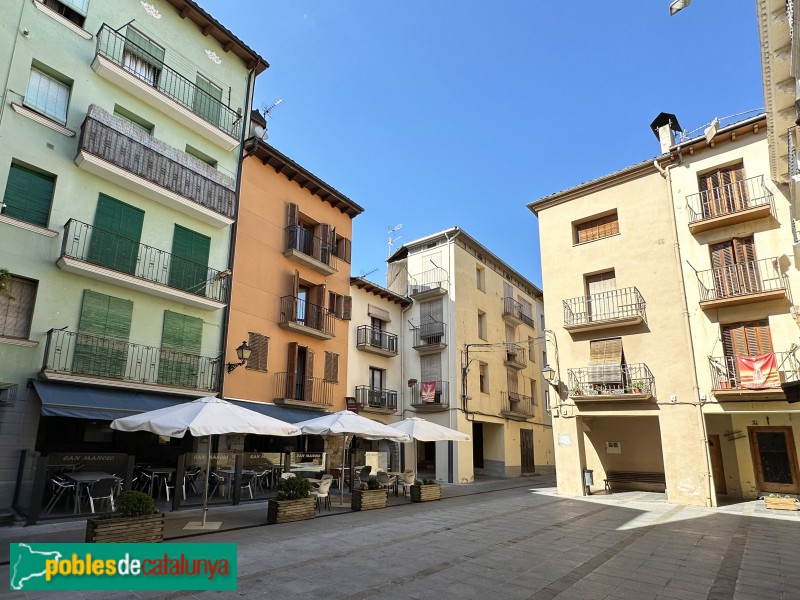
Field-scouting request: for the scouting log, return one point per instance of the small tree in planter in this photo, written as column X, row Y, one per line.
column 135, row 520
column 293, row 501
column 426, row 490
column 369, row 496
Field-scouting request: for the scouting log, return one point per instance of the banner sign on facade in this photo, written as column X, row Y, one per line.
column 758, row 372
column 428, row 391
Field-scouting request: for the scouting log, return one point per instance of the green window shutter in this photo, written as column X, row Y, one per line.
column 101, row 347
column 144, row 48
column 115, row 235
column 28, row 195
column 189, row 264
column 207, row 100
column 181, row 339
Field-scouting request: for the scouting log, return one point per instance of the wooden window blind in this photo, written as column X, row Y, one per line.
column 101, row 346
column 259, row 345
column 605, row 361
column 331, row 366
column 28, row 195
column 115, row 235
column 723, row 190
column 16, row 308
column 47, row 95
column 746, row 339
column 343, row 248
column 181, row 339
column 207, row 100
column 189, row 265
column 597, row 228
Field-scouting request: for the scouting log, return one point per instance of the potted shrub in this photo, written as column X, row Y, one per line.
column 778, row 502
column 412, row 382
column 639, row 387
column 293, row 502
column 135, row 520
column 370, row 495
column 576, row 390
column 426, row 490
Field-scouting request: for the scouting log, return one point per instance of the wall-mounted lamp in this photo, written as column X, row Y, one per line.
column 242, row 353
column 549, row 372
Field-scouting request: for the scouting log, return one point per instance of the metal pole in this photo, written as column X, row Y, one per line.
column 205, row 495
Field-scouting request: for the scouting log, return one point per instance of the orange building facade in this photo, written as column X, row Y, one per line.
column 291, row 283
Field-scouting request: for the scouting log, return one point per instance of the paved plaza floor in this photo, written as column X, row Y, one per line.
column 512, row 541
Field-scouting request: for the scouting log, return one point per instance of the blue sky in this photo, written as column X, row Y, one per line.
column 439, row 113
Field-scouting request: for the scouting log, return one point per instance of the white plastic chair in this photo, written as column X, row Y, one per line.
column 322, row 492
column 407, row 480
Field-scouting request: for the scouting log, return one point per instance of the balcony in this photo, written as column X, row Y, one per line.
column 428, row 284
column 82, row 358
column 743, row 283
column 109, row 257
column 515, row 356
column 615, row 308
column 308, row 392
column 431, row 398
column 729, row 204
column 430, row 335
column 733, row 379
column 376, row 341
column 306, row 318
column 514, row 313
column 376, row 400
column 147, row 77
column 517, row 407
column 310, row 251
column 603, row 383
column 117, row 151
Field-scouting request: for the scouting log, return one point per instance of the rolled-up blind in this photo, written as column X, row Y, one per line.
column 605, row 361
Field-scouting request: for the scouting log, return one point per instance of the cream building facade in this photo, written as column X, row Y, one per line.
column 670, row 291
column 472, row 356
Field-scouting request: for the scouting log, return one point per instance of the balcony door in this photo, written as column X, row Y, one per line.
column 142, row 57
column 101, row 347
column 431, row 371
column 774, row 459
column 723, row 191
column 188, row 269
column 299, row 373
column 376, row 386
column 181, row 338
column 114, row 241
column 734, row 267
column 431, row 321
column 601, row 302
column 744, row 339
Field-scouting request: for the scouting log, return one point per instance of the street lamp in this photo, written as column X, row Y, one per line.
column 549, row 372
column 677, row 6
column 242, row 353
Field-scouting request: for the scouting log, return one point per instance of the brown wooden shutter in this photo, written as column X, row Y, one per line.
column 343, row 249
column 734, row 341
column 598, row 228
column 291, row 370
column 331, row 367
column 259, row 345
column 347, row 308
column 746, row 339
column 605, row 361
column 292, row 215
column 296, row 284
column 308, row 388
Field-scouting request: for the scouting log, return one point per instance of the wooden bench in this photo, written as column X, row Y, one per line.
column 633, row 477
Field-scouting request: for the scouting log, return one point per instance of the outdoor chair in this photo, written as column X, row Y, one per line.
column 407, row 480
column 102, row 490
column 287, row 475
column 169, row 484
column 214, row 481
column 61, row 488
column 191, row 478
column 322, row 492
column 387, row 481
column 259, row 478
column 362, row 476
column 247, row 484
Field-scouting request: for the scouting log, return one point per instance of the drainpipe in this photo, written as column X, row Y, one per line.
column 453, row 416
column 251, row 82
column 666, row 174
column 11, row 60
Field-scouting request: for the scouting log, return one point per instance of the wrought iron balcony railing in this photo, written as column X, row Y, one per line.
column 300, row 239
column 615, row 305
column 614, row 380
column 728, row 199
column 517, row 404
column 429, row 333
column 426, row 396
column 154, row 161
column 113, row 251
column 516, row 356
column 742, row 279
column 433, row 281
column 74, row 353
column 300, row 312
column 376, row 338
column 516, row 312
column 313, row 390
column 376, row 398
column 726, row 375
column 117, row 48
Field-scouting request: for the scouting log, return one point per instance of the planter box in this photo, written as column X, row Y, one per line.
column 126, row 529
column 780, row 503
column 426, row 493
column 286, row 511
column 368, row 499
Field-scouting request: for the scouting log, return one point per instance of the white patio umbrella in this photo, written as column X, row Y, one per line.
column 426, row 431
column 346, row 423
column 204, row 416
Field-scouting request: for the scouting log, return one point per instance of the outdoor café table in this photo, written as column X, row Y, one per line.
column 230, row 473
column 85, row 479
column 154, row 471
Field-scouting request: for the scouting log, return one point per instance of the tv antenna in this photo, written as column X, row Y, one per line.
column 392, row 240
column 368, row 273
column 267, row 110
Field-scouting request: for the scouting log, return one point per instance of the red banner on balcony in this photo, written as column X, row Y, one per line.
column 428, row 391
column 351, row 403
column 758, row 372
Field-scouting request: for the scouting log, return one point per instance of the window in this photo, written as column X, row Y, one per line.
column 480, row 277
column 181, row 338
column 28, row 195
column 747, row 339
column 343, row 248
column 483, row 370
column 376, row 379
column 531, row 348
column 47, row 95
column 605, row 361
column 133, row 119
column 547, row 400
column 340, row 306
column 207, row 100
column 189, row 265
column 115, row 235
column 192, row 151
column 601, row 302
column 723, row 190
column 331, row 367
column 482, row 325
column 597, row 228
column 142, row 57
column 526, row 311
column 16, row 308
column 259, row 351
column 72, row 10
column 101, row 347
column 734, row 267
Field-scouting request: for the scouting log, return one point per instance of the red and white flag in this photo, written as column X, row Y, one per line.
column 758, row 372
column 428, row 391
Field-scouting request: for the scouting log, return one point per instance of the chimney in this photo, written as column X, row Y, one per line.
column 664, row 127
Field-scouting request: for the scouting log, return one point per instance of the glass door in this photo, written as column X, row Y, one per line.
column 774, row 459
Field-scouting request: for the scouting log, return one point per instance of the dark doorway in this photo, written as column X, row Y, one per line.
column 526, row 451
column 477, row 445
